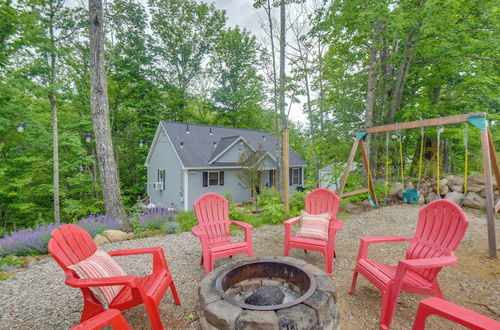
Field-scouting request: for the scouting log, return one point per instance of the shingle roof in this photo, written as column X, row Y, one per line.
column 198, row 145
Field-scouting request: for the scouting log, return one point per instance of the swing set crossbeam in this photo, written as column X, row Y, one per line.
column 490, row 161
column 422, row 123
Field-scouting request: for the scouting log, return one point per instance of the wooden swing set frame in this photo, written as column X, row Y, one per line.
column 490, row 162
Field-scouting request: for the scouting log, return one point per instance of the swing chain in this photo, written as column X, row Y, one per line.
column 438, row 169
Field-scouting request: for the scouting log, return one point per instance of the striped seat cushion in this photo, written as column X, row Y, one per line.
column 100, row 265
column 314, row 226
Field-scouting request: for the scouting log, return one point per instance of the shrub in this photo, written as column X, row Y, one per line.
column 97, row 223
column 297, row 203
column 186, row 220
column 155, row 218
column 236, row 213
column 172, row 227
column 274, row 213
column 27, row 241
column 269, row 196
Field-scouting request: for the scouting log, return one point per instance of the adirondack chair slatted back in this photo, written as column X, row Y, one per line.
column 70, row 245
column 212, row 211
column 321, row 201
column 440, row 229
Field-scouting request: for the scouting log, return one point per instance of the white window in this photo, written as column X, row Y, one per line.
column 161, row 179
column 213, row 178
column 296, row 176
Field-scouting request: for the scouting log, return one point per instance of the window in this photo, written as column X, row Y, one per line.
column 213, row 178
column 161, row 178
column 295, row 176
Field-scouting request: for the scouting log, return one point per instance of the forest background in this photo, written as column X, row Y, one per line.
column 350, row 64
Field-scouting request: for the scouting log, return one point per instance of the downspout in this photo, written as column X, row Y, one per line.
column 186, row 190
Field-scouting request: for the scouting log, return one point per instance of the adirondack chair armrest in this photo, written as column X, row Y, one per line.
column 337, row 225
column 367, row 241
column 199, row 232
column 159, row 261
column 291, row 221
column 428, row 262
column 129, row 280
column 248, row 229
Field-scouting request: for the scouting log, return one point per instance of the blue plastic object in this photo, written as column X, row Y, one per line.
column 411, row 196
column 360, row 135
column 478, row 121
column 372, row 203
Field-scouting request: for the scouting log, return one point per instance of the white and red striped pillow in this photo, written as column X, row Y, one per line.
column 314, row 226
column 100, row 265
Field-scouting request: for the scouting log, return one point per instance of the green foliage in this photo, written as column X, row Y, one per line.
column 268, row 196
column 186, row 219
column 273, row 213
column 297, row 203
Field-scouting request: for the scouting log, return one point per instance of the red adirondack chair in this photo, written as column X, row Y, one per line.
column 317, row 202
column 440, row 229
column 213, row 231
column 452, row 312
column 70, row 244
column 111, row 317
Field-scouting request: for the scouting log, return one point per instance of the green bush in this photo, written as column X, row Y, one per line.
column 268, row 196
column 236, row 213
column 273, row 213
column 297, row 203
column 186, row 220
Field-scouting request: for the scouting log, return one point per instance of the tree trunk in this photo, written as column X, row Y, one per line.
column 282, row 105
column 275, row 94
column 53, row 107
column 404, row 68
column 321, row 93
column 372, row 87
column 100, row 118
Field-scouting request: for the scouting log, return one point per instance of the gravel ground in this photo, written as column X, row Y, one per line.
column 36, row 297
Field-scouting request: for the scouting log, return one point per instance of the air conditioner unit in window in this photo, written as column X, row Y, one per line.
column 158, row 185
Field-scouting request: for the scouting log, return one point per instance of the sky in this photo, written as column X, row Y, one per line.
column 242, row 13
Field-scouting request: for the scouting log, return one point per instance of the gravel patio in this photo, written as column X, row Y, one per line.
column 37, row 298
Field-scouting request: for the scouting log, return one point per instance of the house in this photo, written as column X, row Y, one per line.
column 330, row 175
column 186, row 161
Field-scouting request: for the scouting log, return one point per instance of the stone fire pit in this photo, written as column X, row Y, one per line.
column 268, row 293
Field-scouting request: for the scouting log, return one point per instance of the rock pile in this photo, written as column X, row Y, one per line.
column 451, row 188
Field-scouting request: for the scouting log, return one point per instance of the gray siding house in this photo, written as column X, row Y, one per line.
column 186, row 161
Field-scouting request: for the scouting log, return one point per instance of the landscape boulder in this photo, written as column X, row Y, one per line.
column 397, row 189
column 100, row 240
column 115, row 235
column 430, row 197
column 454, row 196
column 455, row 183
column 443, row 187
column 475, row 201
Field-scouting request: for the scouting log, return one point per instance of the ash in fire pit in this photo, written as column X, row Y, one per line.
column 266, row 296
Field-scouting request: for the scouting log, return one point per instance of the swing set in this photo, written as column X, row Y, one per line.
column 411, row 196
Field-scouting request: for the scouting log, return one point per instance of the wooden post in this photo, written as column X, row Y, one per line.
column 286, row 170
column 488, row 185
column 366, row 162
column 494, row 159
column 347, row 169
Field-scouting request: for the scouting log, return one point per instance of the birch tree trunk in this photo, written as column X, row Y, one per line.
column 282, row 105
column 100, row 118
column 55, row 135
column 275, row 92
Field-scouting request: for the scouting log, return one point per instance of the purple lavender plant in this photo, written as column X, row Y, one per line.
column 155, row 218
column 97, row 223
column 27, row 241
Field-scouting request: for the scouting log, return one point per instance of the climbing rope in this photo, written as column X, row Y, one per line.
column 421, row 156
column 401, row 156
column 386, row 164
column 466, row 157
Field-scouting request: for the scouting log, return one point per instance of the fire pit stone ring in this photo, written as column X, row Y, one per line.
column 314, row 306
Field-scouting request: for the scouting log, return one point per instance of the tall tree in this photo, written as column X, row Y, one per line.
column 100, row 117
column 238, row 89
column 185, row 31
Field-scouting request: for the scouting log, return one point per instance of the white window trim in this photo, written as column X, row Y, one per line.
column 218, row 179
column 161, row 178
column 298, row 176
